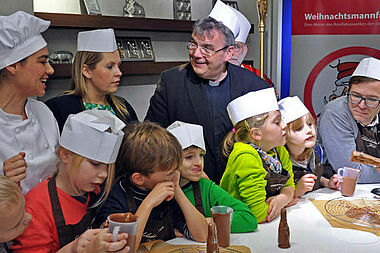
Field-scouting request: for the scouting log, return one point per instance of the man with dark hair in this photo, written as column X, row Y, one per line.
column 198, row 92
column 352, row 122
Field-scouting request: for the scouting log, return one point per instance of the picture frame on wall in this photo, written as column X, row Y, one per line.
column 135, row 49
column 92, row 7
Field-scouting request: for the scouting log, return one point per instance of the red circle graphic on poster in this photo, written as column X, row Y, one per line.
column 334, row 71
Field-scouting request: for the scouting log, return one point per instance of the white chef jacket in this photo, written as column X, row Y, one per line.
column 37, row 136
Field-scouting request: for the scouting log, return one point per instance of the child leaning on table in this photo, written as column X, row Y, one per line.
column 258, row 171
column 204, row 193
column 61, row 206
column 304, row 153
column 149, row 158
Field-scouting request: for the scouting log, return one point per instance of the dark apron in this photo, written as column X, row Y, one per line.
column 198, row 198
column 318, row 172
column 154, row 229
column 66, row 233
column 368, row 140
column 275, row 181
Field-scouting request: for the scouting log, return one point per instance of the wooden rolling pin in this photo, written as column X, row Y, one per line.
column 360, row 157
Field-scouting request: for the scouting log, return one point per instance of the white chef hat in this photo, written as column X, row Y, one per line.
column 20, row 36
column 292, row 108
column 223, row 13
column 368, row 67
column 252, row 104
column 244, row 26
column 188, row 134
column 94, row 134
column 101, row 40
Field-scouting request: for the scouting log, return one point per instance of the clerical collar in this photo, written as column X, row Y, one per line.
column 213, row 84
column 217, row 83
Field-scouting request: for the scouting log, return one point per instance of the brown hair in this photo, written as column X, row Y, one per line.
column 148, row 147
column 73, row 170
column 78, row 82
column 4, row 74
column 361, row 79
column 10, row 193
column 294, row 126
column 242, row 133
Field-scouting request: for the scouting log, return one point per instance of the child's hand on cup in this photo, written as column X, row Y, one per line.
column 100, row 240
column 334, row 182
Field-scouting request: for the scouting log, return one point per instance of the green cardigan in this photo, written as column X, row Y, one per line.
column 212, row 195
column 244, row 177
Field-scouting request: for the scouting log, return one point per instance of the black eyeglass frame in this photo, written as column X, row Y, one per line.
column 190, row 44
column 349, row 99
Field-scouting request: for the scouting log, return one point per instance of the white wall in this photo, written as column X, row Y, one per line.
column 8, row 7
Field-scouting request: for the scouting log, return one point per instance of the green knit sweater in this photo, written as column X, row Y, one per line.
column 244, row 177
column 212, row 195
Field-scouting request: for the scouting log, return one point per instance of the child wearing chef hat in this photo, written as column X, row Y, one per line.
column 204, row 193
column 258, row 171
column 61, row 206
column 304, row 153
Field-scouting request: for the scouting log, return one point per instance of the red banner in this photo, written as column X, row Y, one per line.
column 335, row 17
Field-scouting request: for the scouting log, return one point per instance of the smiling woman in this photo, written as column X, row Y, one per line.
column 29, row 132
column 95, row 79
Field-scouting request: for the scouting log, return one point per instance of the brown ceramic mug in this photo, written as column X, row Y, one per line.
column 222, row 216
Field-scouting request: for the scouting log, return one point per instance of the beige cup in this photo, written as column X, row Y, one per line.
column 126, row 223
column 222, row 216
column 347, row 177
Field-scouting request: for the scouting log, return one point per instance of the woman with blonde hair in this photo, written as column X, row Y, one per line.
column 95, row 79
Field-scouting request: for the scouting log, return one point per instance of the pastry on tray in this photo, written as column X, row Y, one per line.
column 360, row 157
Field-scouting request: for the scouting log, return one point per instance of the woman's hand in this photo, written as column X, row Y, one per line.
column 15, row 168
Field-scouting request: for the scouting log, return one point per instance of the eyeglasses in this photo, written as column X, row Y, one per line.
column 369, row 102
column 204, row 50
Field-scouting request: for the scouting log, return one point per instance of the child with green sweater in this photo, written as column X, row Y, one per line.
column 201, row 192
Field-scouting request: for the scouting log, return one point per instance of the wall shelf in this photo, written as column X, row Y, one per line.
column 128, row 68
column 83, row 21
column 123, row 23
column 59, row 20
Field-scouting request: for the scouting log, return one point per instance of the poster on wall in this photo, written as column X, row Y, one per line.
column 329, row 38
